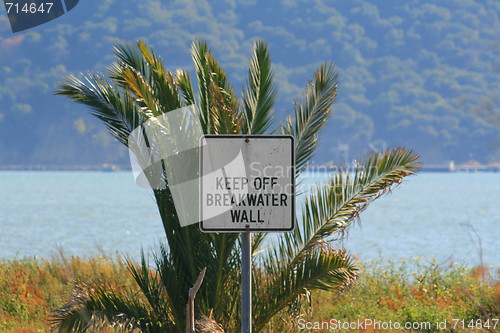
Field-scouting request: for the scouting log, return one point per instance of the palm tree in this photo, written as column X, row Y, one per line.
column 139, row 87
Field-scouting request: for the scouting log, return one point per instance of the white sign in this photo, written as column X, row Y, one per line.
column 247, row 183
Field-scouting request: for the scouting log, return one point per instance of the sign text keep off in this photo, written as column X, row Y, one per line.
column 247, row 183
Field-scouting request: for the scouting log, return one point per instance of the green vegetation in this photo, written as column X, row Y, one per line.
column 138, row 88
column 30, row 289
column 417, row 291
column 420, row 74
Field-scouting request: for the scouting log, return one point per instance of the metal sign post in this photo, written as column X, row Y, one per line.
column 246, row 282
column 247, row 184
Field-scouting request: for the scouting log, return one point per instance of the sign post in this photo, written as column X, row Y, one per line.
column 246, row 282
column 247, row 184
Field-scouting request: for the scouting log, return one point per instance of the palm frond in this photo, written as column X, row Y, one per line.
column 325, row 215
column 94, row 307
column 309, row 117
column 259, row 95
column 142, row 72
column 175, row 275
column 183, row 81
column 310, row 114
column 164, row 84
column 331, row 209
column 258, row 239
column 132, row 80
column 223, row 111
column 278, row 284
column 218, row 104
column 116, row 108
column 198, row 51
column 129, row 55
column 152, row 289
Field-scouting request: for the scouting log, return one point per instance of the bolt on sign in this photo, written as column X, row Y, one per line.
column 247, row 183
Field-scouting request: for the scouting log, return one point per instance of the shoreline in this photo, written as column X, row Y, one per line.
column 317, row 168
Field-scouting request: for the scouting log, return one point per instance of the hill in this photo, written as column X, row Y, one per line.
column 417, row 73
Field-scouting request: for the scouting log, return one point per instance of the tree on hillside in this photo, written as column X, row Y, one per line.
column 139, row 87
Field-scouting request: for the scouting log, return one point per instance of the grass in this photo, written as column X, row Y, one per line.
column 30, row 289
column 415, row 291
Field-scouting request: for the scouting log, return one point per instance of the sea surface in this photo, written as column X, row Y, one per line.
column 448, row 217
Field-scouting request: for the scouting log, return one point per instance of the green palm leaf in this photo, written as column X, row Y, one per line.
column 278, row 284
column 326, row 214
column 311, row 114
column 152, row 289
column 259, row 95
column 116, row 108
column 217, row 102
column 183, row 81
column 143, row 72
column 333, row 207
column 95, row 307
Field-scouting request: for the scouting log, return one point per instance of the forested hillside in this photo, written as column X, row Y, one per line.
column 423, row 74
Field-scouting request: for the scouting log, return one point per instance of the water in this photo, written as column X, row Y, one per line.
column 450, row 217
column 84, row 213
column 81, row 212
